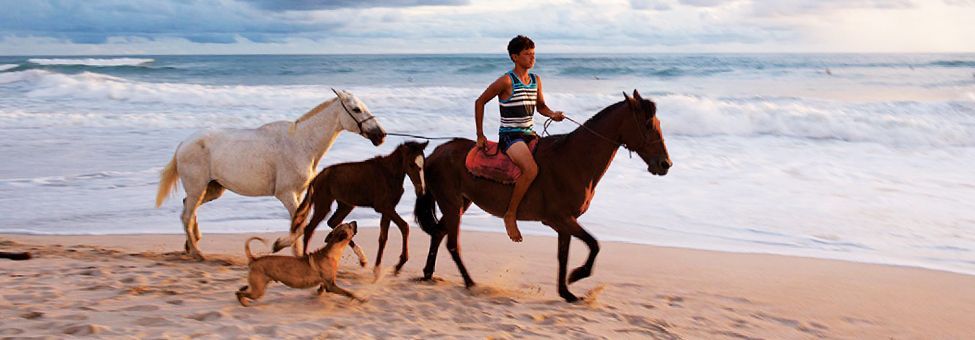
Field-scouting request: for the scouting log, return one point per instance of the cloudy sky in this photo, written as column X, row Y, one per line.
column 455, row 26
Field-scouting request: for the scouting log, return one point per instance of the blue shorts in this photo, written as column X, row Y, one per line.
column 507, row 139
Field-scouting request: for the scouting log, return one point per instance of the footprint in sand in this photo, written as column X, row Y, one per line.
column 141, row 308
column 11, row 331
column 89, row 329
column 672, row 301
column 646, row 323
column 32, row 315
column 93, row 272
column 270, row 331
column 154, row 322
column 73, row 317
column 138, row 280
column 208, row 316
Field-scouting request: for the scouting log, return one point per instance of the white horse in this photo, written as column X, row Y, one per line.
column 277, row 159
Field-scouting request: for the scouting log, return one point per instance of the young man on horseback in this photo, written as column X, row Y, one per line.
column 519, row 94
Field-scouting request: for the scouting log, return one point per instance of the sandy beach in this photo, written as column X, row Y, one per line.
column 139, row 286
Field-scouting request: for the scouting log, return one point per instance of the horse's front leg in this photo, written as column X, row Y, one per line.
column 404, row 230
column 572, row 226
column 564, row 292
column 383, row 236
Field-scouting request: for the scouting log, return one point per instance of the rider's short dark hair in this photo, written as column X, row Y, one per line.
column 518, row 44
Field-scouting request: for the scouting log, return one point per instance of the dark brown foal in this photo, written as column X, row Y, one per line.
column 376, row 183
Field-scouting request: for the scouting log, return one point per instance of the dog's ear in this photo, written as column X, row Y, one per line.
column 332, row 236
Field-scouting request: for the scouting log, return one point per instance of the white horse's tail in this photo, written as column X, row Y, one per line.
column 168, row 179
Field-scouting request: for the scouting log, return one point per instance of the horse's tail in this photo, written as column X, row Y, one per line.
column 168, row 179
column 301, row 213
column 425, row 212
column 247, row 248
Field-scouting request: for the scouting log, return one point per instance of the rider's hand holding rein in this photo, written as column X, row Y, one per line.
column 557, row 116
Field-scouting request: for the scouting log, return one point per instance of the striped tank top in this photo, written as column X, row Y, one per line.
column 518, row 111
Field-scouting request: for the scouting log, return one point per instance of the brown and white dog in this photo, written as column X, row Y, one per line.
column 317, row 268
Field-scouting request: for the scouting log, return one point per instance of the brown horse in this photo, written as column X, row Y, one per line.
column 376, row 183
column 569, row 167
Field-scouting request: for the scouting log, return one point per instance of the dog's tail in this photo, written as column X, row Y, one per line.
column 247, row 248
column 167, row 181
column 425, row 212
column 298, row 220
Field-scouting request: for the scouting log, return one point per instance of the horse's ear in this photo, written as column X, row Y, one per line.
column 629, row 101
column 337, row 94
column 636, row 95
column 423, row 145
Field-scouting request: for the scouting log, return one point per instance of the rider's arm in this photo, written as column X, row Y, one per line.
column 492, row 91
column 540, row 104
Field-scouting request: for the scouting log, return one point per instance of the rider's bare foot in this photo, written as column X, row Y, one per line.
column 511, row 226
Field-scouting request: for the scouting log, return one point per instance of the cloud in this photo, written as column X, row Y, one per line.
column 208, row 21
column 429, row 26
column 704, row 3
column 313, row 5
column 962, row 3
column 656, row 5
column 818, row 7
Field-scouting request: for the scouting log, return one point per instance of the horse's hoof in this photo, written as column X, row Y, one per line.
column 579, row 274
column 569, row 297
column 197, row 256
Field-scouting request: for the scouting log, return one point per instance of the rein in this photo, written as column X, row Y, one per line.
column 646, row 141
column 416, row 136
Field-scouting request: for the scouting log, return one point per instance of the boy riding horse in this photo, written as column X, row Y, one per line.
column 519, row 94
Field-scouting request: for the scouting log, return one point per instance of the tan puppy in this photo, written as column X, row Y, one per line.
column 317, row 268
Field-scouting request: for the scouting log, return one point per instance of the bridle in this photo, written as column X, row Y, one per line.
column 358, row 123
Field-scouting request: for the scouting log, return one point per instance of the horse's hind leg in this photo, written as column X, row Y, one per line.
column 451, row 220
column 290, row 201
column 214, row 191
column 340, row 214
column 192, row 201
column 383, row 236
column 435, row 240
column 431, row 265
column 322, row 207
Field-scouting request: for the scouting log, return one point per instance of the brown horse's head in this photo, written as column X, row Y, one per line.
column 412, row 155
column 642, row 134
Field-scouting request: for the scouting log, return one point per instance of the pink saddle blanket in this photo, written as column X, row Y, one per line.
column 493, row 164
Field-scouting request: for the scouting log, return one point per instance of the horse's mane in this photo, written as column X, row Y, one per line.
column 559, row 139
column 313, row 112
column 599, row 115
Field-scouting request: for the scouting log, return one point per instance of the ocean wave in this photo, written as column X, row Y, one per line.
column 954, row 63
column 4, row 67
column 948, row 123
column 92, row 61
column 93, row 99
column 480, row 68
